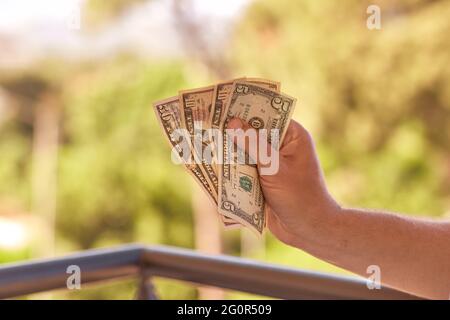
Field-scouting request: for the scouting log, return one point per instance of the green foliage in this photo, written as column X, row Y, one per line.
column 10, row 255
column 116, row 181
column 14, row 168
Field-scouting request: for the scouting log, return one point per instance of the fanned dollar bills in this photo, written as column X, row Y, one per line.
column 196, row 125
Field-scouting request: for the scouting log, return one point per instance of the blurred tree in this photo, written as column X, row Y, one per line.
column 36, row 100
column 115, row 165
column 116, row 181
column 195, row 42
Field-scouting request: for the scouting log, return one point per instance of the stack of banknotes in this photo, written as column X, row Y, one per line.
column 196, row 125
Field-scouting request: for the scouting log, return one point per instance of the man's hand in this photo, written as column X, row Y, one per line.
column 296, row 195
column 412, row 254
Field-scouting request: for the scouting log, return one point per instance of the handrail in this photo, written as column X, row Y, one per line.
column 186, row 265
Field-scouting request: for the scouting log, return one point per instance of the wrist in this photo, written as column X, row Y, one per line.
column 317, row 225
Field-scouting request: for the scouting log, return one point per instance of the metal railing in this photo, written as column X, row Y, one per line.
column 145, row 262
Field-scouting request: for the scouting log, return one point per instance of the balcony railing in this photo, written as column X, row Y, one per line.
column 145, row 262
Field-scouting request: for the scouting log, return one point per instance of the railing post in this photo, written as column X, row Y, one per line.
column 146, row 290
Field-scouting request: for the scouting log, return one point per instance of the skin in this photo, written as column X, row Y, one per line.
column 413, row 254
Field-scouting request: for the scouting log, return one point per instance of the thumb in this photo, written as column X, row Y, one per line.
column 254, row 142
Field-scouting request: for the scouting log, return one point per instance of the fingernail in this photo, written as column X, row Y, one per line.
column 235, row 123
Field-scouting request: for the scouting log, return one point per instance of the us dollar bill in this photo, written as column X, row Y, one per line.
column 168, row 115
column 195, row 109
column 222, row 93
column 240, row 195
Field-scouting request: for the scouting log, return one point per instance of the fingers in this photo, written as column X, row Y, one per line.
column 260, row 152
column 237, row 123
column 244, row 137
column 254, row 143
column 297, row 138
column 296, row 132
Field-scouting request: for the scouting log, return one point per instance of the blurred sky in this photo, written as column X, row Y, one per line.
column 29, row 29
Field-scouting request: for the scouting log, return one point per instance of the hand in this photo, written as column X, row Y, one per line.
column 297, row 200
column 302, row 213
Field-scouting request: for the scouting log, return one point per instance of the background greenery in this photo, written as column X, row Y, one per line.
column 377, row 103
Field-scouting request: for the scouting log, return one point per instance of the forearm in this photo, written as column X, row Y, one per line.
column 413, row 255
